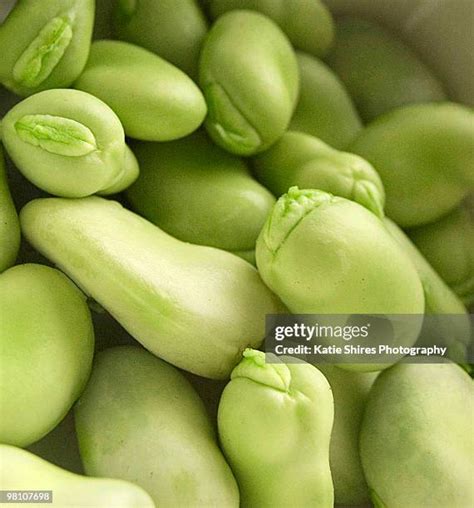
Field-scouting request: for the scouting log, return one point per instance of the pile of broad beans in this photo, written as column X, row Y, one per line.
column 171, row 173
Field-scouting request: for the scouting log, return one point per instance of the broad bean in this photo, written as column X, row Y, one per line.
column 197, row 307
column 307, row 162
column 416, row 437
column 249, row 75
column 424, row 154
column 66, row 142
column 47, row 343
column 154, row 100
column 274, row 424
column 199, row 193
column 322, row 254
column 173, row 29
column 140, row 420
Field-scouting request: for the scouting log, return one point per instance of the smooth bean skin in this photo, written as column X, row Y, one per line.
column 448, row 245
column 46, row 44
column 199, row 193
column 130, row 173
column 140, row 420
column 47, row 343
column 9, row 224
column 22, row 470
column 380, row 72
column 66, row 142
column 325, row 109
column 421, row 150
column 439, row 299
column 173, row 29
column 303, row 160
column 154, row 100
column 426, row 459
column 196, row 307
column 274, row 423
column 350, row 391
column 322, row 254
column 307, row 23
column 250, row 100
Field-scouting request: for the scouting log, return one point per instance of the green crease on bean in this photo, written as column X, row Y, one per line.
column 229, row 123
column 288, row 213
column 44, row 53
column 57, row 135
